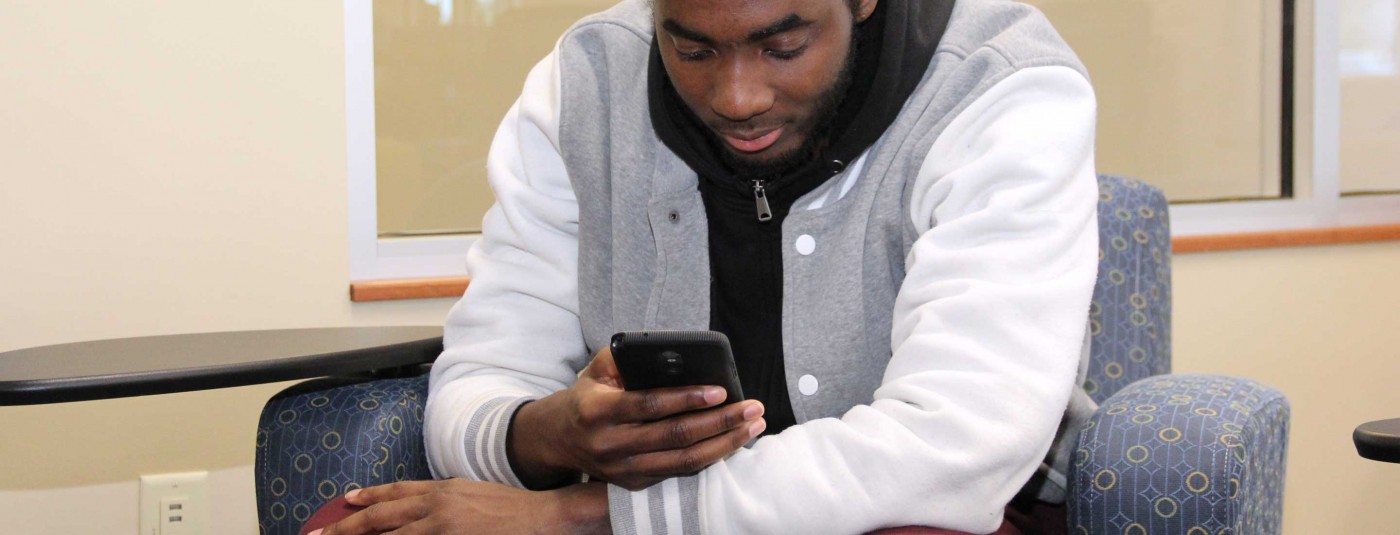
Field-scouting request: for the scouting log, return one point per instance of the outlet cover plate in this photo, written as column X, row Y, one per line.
column 189, row 489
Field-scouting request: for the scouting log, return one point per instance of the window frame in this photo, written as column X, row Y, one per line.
column 1317, row 201
column 372, row 257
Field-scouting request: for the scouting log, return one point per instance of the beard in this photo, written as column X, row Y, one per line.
column 827, row 107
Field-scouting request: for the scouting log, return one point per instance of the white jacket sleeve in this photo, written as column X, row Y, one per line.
column 521, row 308
column 987, row 333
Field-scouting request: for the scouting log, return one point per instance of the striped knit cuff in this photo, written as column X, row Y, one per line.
column 670, row 507
column 485, row 440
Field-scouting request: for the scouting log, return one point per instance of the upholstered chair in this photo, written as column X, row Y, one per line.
column 1181, row 454
column 1185, row 454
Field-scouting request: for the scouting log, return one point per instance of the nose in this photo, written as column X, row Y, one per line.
column 741, row 91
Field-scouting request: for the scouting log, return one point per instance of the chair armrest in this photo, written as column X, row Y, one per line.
column 320, row 439
column 1191, row 454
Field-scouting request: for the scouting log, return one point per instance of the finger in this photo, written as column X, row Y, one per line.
column 684, row 430
column 379, row 518
column 655, row 404
column 696, row 457
column 417, row 528
column 389, row 492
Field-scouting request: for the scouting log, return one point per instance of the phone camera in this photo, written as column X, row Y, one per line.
column 671, row 362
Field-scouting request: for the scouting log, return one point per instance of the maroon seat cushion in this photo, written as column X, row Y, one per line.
column 329, row 514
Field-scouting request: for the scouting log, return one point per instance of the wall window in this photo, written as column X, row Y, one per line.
column 1253, row 115
column 1370, row 96
column 428, row 82
column 445, row 73
column 1190, row 92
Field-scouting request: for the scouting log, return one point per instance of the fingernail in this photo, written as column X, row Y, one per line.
column 753, row 411
column 714, row 395
column 349, row 496
column 317, row 532
column 757, row 428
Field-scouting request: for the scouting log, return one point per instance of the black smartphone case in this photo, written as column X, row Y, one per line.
column 659, row 359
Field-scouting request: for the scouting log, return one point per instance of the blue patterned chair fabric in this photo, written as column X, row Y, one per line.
column 320, row 439
column 1130, row 316
column 1197, row 455
column 1188, row 454
column 1164, row 454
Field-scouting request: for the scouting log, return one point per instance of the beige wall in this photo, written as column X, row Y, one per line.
column 1319, row 324
column 172, row 167
column 165, row 167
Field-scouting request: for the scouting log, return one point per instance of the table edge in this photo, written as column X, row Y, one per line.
column 112, row 386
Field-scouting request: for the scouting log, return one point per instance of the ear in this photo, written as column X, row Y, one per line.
column 864, row 8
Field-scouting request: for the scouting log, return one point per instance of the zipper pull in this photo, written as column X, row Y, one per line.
column 760, row 199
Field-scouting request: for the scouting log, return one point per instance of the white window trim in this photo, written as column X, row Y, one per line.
column 372, row 257
column 1322, row 205
column 1319, row 206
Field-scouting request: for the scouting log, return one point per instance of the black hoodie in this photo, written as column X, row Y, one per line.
column 894, row 47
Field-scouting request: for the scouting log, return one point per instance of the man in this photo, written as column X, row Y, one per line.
column 887, row 206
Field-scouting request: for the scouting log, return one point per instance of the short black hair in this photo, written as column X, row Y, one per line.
column 853, row 5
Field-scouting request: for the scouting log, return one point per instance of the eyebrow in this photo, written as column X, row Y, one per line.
column 789, row 23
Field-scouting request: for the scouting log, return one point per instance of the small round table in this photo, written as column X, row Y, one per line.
column 1378, row 440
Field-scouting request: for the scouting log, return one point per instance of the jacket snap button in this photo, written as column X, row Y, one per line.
column 674, row 216
column 837, row 166
column 806, row 244
column 807, row 385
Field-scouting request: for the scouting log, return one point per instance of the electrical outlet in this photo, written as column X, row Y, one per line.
column 174, row 504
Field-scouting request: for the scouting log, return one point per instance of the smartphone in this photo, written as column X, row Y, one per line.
column 659, row 359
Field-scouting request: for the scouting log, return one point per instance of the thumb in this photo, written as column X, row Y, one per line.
column 603, row 369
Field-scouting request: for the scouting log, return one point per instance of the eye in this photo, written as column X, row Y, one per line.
column 787, row 46
column 786, row 54
column 688, row 50
column 694, row 55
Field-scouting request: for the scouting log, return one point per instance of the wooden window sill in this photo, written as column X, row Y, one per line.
column 453, row 287
column 397, row 289
column 1284, row 238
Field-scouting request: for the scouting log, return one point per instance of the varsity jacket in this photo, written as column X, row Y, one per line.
column 935, row 292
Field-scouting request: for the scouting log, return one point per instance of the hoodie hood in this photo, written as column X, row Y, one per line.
column 893, row 51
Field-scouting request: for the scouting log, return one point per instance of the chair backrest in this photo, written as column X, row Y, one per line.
column 1130, row 318
column 325, row 437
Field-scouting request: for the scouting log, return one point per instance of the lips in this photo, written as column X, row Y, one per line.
column 752, row 143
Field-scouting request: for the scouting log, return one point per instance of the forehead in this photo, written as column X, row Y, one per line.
column 733, row 18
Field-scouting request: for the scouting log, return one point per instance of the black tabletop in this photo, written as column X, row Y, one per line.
column 180, row 363
column 1378, row 440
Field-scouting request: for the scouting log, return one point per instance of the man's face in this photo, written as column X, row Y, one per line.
column 763, row 75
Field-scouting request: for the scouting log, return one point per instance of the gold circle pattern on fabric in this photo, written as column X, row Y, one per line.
column 331, row 440
column 1169, row 435
column 1165, row 507
column 1197, row 482
column 1137, row 454
column 302, row 463
column 1105, row 483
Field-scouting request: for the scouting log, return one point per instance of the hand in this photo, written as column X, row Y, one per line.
column 630, row 439
column 461, row 506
